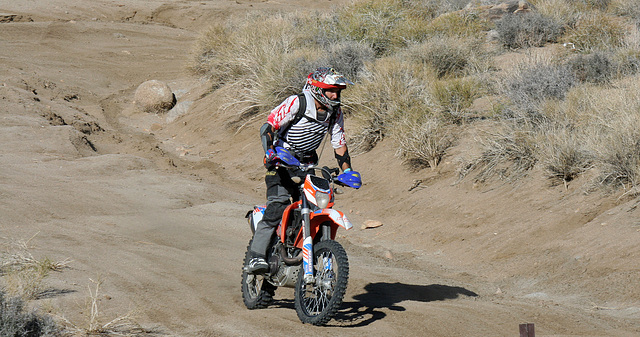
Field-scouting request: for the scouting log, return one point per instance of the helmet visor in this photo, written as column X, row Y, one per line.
column 337, row 80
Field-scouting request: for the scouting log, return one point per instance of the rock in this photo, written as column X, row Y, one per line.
column 371, row 224
column 154, row 96
column 7, row 17
column 495, row 10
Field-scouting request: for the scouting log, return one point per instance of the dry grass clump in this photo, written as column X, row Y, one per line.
column 508, row 153
column 23, row 279
column 593, row 128
column 388, row 89
column 424, row 143
column 445, row 56
column 542, row 137
column 385, row 25
column 626, row 8
column 620, row 161
column 465, row 23
column 390, row 26
column 263, row 68
column 562, row 151
column 349, row 58
column 564, row 12
column 454, row 97
column 614, row 132
column 597, row 30
column 23, row 274
column 627, row 61
column 95, row 326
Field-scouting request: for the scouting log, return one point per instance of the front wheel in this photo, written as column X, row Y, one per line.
column 257, row 293
column 318, row 302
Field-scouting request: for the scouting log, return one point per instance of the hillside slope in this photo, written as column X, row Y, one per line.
column 152, row 205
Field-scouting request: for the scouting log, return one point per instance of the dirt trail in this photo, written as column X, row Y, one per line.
column 153, row 205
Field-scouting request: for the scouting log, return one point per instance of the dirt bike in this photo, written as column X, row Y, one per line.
column 303, row 253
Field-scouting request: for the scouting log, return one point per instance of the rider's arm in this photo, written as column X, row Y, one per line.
column 342, row 155
column 267, row 135
column 284, row 113
column 339, row 142
column 279, row 117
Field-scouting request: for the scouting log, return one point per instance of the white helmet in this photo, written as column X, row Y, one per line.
column 326, row 78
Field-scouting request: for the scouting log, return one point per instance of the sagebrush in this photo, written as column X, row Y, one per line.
column 421, row 67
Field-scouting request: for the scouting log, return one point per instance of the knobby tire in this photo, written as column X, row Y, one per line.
column 257, row 293
column 318, row 303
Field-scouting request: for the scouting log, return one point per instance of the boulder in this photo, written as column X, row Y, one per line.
column 154, row 96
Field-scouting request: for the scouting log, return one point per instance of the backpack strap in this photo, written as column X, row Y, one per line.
column 302, row 108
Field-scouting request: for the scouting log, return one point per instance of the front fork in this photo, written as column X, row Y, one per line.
column 307, row 244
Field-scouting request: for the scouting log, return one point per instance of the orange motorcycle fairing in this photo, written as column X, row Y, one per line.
column 287, row 215
column 337, row 219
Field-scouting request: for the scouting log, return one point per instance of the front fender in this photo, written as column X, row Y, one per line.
column 336, row 216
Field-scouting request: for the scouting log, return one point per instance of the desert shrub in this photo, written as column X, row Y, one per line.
column 628, row 8
column 348, row 58
column 445, row 57
column 566, row 13
column 598, row 31
column 508, row 153
column 451, row 56
column 602, row 126
column 423, row 143
column 211, row 54
column 384, row 25
column 562, row 151
column 619, row 154
column 531, row 84
column 466, row 23
column 15, row 321
column 527, row 30
column 263, row 67
column 390, row 87
column 591, row 5
column 439, row 7
column 594, row 68
column 454, row 97
column 614, row 132
column 627, row 61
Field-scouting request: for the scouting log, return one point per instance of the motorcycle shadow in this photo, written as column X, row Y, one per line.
column 367, row 306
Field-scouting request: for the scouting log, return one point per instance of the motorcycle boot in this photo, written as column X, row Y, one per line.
column 257, row 265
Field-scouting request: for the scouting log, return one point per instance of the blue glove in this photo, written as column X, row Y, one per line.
column 286, row 157
column 270, row 157
column 350, row 178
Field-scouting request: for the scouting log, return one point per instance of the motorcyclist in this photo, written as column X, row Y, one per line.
column 301, row 134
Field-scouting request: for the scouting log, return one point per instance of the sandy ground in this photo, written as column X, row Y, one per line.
column 152, row 205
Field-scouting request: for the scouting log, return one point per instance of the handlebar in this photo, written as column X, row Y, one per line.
column 286, row 160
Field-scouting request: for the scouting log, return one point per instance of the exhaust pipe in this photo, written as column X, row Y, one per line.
column 290, row 261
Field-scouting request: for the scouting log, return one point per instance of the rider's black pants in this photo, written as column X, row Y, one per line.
column 280, row 191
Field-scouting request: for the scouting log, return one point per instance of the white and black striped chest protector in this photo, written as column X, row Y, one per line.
column 306, row 135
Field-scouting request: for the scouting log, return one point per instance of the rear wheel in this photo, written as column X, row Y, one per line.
column 257, row 293
column 318, row 302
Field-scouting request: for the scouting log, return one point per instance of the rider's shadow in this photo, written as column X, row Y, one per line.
column 365, row 309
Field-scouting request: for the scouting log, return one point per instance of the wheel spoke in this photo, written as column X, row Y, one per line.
column 318, row 302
